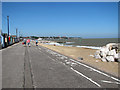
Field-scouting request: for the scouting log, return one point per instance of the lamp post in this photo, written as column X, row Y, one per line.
column 8, row 28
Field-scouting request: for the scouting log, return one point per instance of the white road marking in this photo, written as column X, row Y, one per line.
column 96, row 70
column 47, row 56
column 51, row 58
column 90, row 69
column 93, row 69
column 109, row 82
column 86, row 77
column 79, row 73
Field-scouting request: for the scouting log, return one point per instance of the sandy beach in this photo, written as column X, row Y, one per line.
column 86, row 54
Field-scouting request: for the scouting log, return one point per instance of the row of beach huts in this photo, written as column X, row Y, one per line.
column 6, row 40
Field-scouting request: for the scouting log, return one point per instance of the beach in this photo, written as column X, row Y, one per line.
column 87, row 55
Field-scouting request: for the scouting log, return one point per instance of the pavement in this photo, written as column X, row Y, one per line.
column 38, row 67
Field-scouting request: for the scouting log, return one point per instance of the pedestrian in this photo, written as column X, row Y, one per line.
column 24, row 42
column 36, row 42
column 28, row 41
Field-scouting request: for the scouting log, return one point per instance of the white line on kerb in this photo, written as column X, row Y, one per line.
column 96, row 70
column 86, row 77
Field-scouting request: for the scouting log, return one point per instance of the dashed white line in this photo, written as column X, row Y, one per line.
column 109, row 82
column 86, row 77
column 51, row 58
column 91, row 69
column 96, row 70
column 47, row 56
column 80, row 74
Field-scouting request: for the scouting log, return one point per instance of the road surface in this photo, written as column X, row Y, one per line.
column 39, row 67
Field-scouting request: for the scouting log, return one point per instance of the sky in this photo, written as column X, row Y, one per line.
column 73, row 19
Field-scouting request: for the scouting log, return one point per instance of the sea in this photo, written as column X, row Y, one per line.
column 93, row 43
column 98, row 42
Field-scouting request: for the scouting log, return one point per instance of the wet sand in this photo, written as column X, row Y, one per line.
column 76, row 52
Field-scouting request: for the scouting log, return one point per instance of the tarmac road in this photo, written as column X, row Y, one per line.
column 39, row 67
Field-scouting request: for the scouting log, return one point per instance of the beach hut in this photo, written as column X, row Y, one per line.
column 2, row 41
column 5, row 37
column 13, row 38
column 10, row 40
column 13, row 41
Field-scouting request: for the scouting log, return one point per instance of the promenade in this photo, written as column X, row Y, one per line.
column 39, row 67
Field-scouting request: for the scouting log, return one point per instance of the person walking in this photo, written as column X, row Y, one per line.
column 24, row 41
column 28, row 42
column 36, row 42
